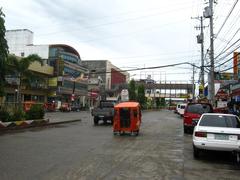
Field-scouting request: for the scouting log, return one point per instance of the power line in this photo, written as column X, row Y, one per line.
column 231, row 25
column 153, row 67
column 230, row 68
column 224, row 50
column 230, row 12
column 228, row 55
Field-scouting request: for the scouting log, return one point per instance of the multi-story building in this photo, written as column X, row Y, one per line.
column 36, row 89
column 112, row 78
column 67, row 82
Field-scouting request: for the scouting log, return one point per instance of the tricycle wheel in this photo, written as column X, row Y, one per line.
column 137, row 132
column 121, row 133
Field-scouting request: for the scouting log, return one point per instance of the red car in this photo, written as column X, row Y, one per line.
column 192, row 114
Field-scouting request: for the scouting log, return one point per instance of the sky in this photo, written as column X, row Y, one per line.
column 129, row 33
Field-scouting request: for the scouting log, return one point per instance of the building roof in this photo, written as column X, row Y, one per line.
column 65, row 46
column 18, row 30
column 127, row 104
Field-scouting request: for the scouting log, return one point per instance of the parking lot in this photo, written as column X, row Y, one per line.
column 84, row 151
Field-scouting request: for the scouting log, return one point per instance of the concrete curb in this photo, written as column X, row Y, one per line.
column 44, row 123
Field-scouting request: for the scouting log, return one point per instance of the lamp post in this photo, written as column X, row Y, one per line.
column 73, row 90
column 15, row 97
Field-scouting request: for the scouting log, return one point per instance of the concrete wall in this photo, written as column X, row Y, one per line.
column 20, row 43
column 99, row 67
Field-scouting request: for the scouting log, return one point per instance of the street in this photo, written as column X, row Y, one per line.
column 81, row 150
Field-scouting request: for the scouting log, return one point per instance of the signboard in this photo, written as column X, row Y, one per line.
column 223, row 76
column 52, row 82
column 236, row 66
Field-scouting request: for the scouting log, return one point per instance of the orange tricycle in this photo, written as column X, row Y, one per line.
column 127, row 118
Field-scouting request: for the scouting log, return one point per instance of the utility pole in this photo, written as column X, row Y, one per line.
column 200, row 40
column 212, row 89
column 208, row 13
column 193, row 84
column 202, row 53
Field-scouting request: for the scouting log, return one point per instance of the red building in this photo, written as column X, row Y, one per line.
column 117, row 78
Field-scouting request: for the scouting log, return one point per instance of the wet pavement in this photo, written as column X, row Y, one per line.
column 81, row 150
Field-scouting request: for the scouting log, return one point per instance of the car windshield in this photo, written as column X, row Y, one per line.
column 107, row 104
column 199, row 108
column 220, row 121
column 182, row 107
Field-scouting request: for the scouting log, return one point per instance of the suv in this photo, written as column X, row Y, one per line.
column 192, row 114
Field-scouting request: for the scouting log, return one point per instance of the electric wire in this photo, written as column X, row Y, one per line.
column 229, row 14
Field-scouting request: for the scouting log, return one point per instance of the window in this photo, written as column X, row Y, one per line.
column 9, row 97
column 199, row 108
column 182, row 107
column 125, row 120
column 220, row 121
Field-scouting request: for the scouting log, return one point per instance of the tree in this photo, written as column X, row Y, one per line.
column 158, row 102
column 19, row 68
column 132, row 90
column 3, row 52
column 141, row 95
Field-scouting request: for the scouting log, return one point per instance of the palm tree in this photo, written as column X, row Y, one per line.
column 19, row 68
column 3, row 53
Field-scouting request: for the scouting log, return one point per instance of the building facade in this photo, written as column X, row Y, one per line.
column 112, row 77
column 67, row 82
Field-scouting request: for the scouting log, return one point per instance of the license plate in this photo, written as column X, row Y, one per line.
column 221, row 137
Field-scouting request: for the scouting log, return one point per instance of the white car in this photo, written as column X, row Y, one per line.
column 219, row 132
column 181, row 109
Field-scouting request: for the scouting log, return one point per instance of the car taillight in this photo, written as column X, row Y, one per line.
column 200, row 134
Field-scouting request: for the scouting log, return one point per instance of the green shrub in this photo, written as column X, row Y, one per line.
column 4, row 115
column 17, row 115
column 35, row 112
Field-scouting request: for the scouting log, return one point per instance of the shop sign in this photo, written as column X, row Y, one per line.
column 235, row 86
column 52, row 82
column 223, row 76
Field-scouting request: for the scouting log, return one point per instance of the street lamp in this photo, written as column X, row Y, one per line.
column 16, row 97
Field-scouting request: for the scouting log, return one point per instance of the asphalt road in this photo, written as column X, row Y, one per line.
column 83, row 151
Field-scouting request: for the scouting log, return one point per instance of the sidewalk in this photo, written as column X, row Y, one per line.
column 65, row 117
column 50, row 118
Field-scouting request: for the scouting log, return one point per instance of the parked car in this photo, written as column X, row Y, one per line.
column 193, row 112
column 177, row 108
column 104, row 112
column 219, row 132
column 50, row 106
column 75, row 107
column 181, row 109
column 65, row 107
